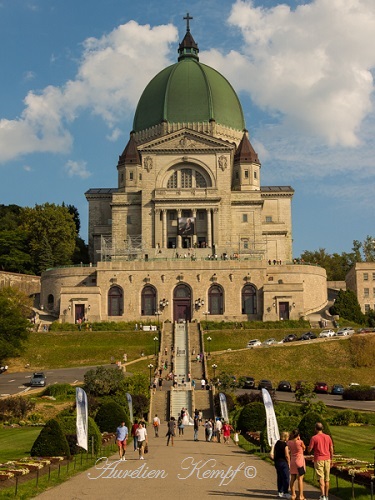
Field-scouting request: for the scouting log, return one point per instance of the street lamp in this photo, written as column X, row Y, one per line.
column 155, row 341
column 206, row 314
column 150, row 366
column 209, row 340
column 214, row 366
column 158, row 313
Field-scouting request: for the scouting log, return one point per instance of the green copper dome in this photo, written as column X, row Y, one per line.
column 188, row 92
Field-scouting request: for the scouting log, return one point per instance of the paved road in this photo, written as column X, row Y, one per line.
column 188, row 470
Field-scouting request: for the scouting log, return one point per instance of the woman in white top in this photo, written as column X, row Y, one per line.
column 141, row 433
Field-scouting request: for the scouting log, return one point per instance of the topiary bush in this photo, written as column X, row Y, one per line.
column 307, row 426
column 109, row 417
column 59, row 390
column 359, row 393
column 68, row 425
column 51, row 441
column 252, row 418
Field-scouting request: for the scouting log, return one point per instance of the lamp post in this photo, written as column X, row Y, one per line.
column 150, row 366
column 206, row 314
column 214, row 366
column 155, row 341
column 158, row 313
column 209, row 341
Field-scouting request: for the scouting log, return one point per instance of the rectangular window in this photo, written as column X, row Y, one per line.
column 244, row 217
column 367, row 308
column 373, row 292
column 268, row 218
column 366, row 292
column 373, row 276
column 237, row 175
column 131, row 176
column 171, row 215
column 128, row 219
column 246, row 174
column 365, row 276
column 255, row 175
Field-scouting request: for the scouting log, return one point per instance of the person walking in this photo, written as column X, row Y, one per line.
column 121, row 438
column 218, row 427
column 171, row 432
column 134, row 435
column 322, row 446
column 297, row 463
column 156, row 424
column 281, row 456
column 203, row 383
column 181, row 426
column 141, row 433
column 196, row 426
column 160, row 383
column 227, row 428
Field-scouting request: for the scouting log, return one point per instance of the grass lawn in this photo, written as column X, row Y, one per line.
column 16, row 443
column 354, row 442
column 63, row 350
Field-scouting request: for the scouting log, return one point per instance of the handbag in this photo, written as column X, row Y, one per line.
column 146, row 448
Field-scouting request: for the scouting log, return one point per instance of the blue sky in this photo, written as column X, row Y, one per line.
column 72, row 72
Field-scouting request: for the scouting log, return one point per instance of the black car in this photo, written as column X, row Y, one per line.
column 308, row 336
column 290, row 338
column 249, row 383
column 265, row 384
column 285, row 386
column 38, row 380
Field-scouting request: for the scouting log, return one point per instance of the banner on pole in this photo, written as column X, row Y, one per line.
column 130, row 404
column 223, row 406
column 273, row 434
column 82, row 418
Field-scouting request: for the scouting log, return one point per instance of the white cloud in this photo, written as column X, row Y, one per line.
column 77, row 168
column 112, row 73
column 29, row 75
column 311, row 65
column 27, row 168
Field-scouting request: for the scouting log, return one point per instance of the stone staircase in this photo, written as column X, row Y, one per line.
column 202, row 402
column 167, row 343
column 180, row 399
column 160, row 405
column 197, row 369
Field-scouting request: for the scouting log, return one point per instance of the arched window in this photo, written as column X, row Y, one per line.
column 215, row 300
column 182, row 292
column 148, row 301
column 115, row 301
column 186, row 178
column 50, row 301
column 249, row 299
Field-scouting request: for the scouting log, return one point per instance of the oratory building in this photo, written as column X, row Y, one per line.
column 189, row 233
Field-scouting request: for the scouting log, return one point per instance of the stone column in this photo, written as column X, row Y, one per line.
column 209, row 228
column 179, row 238
column 164, row 239
column 216, row 228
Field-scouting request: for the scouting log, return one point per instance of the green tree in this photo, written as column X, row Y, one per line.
column 103, row 381
column 109, row 417
column 347, row 306
column 53, row 224
column 369, row 249
column 15, row 308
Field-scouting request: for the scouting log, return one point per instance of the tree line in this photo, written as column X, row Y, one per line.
column 35, row 239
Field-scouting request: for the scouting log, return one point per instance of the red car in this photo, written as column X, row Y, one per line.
column 321, row 387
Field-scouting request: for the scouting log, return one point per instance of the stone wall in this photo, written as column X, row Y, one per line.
column 28, row 284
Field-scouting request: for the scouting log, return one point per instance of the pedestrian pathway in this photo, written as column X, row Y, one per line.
column 195, row 470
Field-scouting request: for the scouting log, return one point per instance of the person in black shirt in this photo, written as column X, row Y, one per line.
column 280, row 454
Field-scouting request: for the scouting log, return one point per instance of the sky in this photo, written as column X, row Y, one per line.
column 72, row 72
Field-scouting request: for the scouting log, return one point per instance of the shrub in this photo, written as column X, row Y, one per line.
column 307, row 426
column 140, row 405
column 103, row 381
column 68, row 425
column 251, row 397
column 252, row 418
column 360, row 393
column 63, row 327
column 109, row 417
column 59, row 390
column 51, row 441
column 15, row 406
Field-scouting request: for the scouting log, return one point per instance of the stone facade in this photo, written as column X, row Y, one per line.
column 361, row 279
column 28, row 284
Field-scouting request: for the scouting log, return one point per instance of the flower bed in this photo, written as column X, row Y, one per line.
column 350, row 469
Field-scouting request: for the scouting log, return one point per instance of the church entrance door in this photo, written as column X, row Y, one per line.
column 283, row 310
column 182, row 303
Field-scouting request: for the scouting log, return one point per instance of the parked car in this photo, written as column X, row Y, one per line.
column 290, row 338
column 365, row 330
column 307, row 336
column 38, row 379
column 343, row 332
column 249, row 383
column 254, row 343
column 284, row 385
column 337, row 389
column 299, row 384
column 265, row 384
column 326, row 333
column 321, row 387
column 270, row 342
column 3, row 368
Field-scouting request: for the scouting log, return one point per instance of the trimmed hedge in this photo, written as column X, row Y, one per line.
column 252, row 418
column 307, row 426
column 109, row 417
column 51, row 441
column 255, row 325
column 59, row 390
column 359, row 393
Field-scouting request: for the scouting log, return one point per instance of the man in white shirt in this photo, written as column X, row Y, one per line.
column 141, row 433
column 218, row 427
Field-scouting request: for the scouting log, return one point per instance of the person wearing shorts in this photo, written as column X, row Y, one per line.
column 142, row 439
column 121, row 437
column 322, row 446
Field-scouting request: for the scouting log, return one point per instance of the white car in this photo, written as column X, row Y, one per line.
column 270, row 342
column 343, row 332
column 254, row 343
column 326, row 333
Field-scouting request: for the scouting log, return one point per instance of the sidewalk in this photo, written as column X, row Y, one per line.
column 195, row 470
